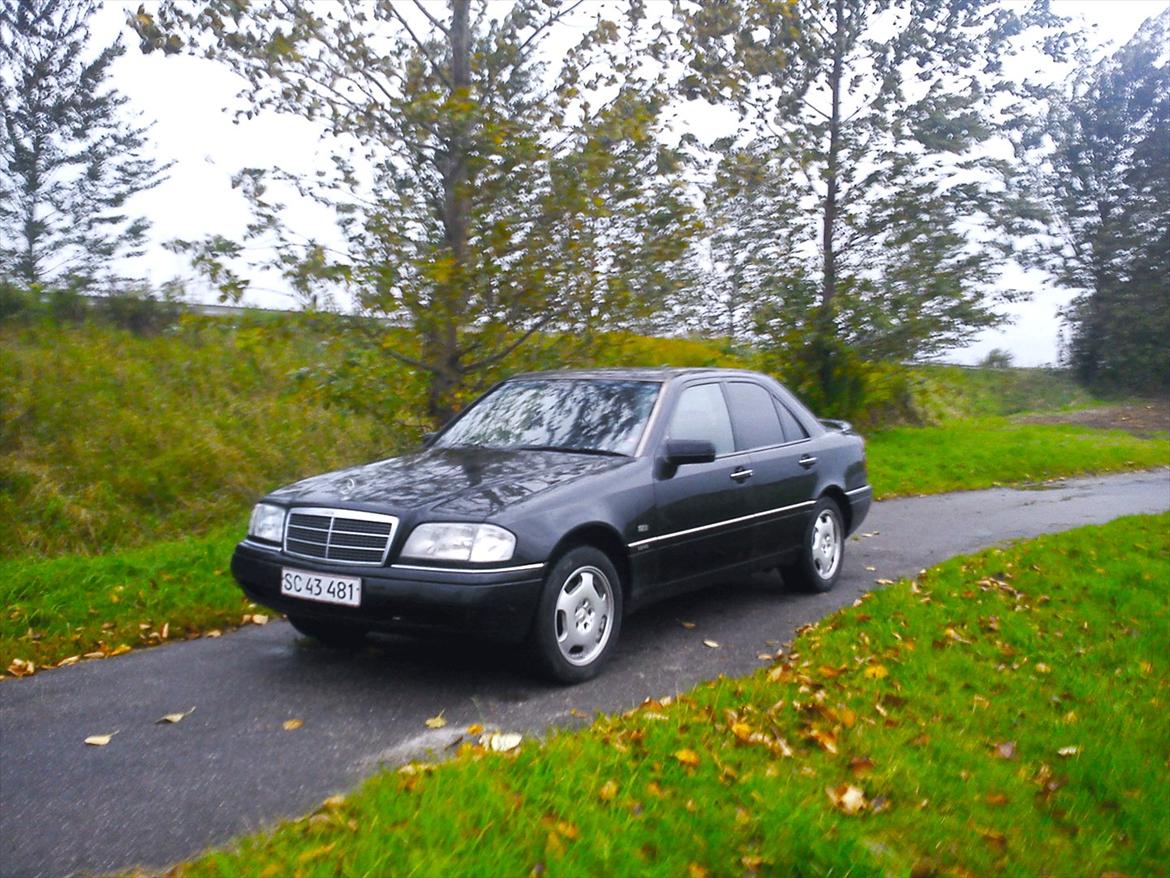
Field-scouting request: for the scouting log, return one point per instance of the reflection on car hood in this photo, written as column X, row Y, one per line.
column 463, row 481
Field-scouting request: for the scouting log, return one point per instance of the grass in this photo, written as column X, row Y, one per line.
column 62, row 608
column 110, row 440
column 970, row 453
column 1004, row 713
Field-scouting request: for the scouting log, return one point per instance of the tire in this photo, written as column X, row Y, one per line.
column 336, row 635
column 822, row 551
column 579, row 616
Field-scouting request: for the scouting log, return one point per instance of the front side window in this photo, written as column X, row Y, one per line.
column 561, row 414
column 701, row 413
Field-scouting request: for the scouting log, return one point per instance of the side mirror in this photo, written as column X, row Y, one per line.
column 677, row 452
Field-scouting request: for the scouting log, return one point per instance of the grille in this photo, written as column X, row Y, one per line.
column 339, row 535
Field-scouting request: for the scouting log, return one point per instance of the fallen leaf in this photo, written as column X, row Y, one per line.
column 21, row 667
column 475, row 729
column 690, row 626
column 713, row 644
column 827, row 740
column 859, row 765
column 1005, row 750
column 174, row 717
column 333, row 802
column 1042, row 668
column 876, row 672
column 214, row 632
column 71, row 660
column 993, row 837
column 1068, row 751
column 120, row 649
column 436, row 722
column 291, row 725
column 608, row 791
column 870, row 568
column 846, row 798
column 99, row 740
column 996, row 800
column 503, row 742
column 687, row 757
column 765, row 656
column 694, row 870
column 259, row 619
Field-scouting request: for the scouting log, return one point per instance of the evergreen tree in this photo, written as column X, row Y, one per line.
column 1109, row 190
column 69, row 157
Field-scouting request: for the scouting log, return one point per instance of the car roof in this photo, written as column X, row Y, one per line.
column 637, row 373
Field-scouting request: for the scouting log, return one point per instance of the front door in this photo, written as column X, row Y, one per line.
column 696, row 531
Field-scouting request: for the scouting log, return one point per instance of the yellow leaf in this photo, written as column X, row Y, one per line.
column 876, row 672
column 120, row 649
column 21, row 668
column 742, row 731
column 690, row 626
column 214, row 632
column 475, row 729
column 687, row 757
column 503, row 742
column 436, row 722
column 71, row 660
column 846, row 798
column 1068, row 751
column 291, row 725
column 333, row 802
column 99, row 740
column 1042, row 668
column 259, row 619
column 608, row 791
column 174, row 717
column 694, row 870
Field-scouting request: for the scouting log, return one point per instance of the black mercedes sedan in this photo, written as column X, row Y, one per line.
column 558, row 502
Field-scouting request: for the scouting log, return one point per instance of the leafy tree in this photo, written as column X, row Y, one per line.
column 1108, row 184
column 492, row 173
column 69, row 156
column 882, row 116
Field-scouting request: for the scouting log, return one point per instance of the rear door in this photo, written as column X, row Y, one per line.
column 783, row 471
column 696, row 532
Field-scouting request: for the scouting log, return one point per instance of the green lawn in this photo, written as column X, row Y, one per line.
column 61, row 608
column 969, row 453
column 1004, row 713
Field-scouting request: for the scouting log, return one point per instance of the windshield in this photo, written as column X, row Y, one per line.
column 596, row 416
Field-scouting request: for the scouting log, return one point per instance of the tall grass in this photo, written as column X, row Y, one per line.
column 110, row 440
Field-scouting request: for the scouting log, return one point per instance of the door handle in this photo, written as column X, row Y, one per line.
column 741, row 475
column 807, row 461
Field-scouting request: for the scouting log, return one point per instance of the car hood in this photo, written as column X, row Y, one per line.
column 467, row 482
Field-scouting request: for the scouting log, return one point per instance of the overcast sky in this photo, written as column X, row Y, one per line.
column 185, row 98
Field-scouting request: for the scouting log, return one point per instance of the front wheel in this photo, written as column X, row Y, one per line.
column 821, row 552
column 579, row 616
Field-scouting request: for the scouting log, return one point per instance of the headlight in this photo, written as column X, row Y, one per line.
column 267, row 523
column 460, row 542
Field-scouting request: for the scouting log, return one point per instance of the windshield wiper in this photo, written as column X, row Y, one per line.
column 568, row 449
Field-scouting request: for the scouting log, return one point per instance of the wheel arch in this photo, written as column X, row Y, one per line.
column 604, row 538
column 838, row 496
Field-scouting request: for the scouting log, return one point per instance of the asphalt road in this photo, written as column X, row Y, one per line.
column 161, row 793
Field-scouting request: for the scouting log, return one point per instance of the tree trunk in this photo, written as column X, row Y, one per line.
column 443, row 353
column 825, row 330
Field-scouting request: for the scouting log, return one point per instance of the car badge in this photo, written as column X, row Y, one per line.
column 347, row 489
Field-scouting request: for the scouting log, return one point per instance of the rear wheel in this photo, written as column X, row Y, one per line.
column 336, row 635
column 579, row 616
column 822, row 550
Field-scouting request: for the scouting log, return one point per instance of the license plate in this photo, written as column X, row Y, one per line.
column 344, row 590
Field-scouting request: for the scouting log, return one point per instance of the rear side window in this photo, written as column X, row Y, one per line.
column 793, row 431
column 701, row 413
column 757, row 424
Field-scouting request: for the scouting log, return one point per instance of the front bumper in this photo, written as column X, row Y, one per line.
column 496, row 605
